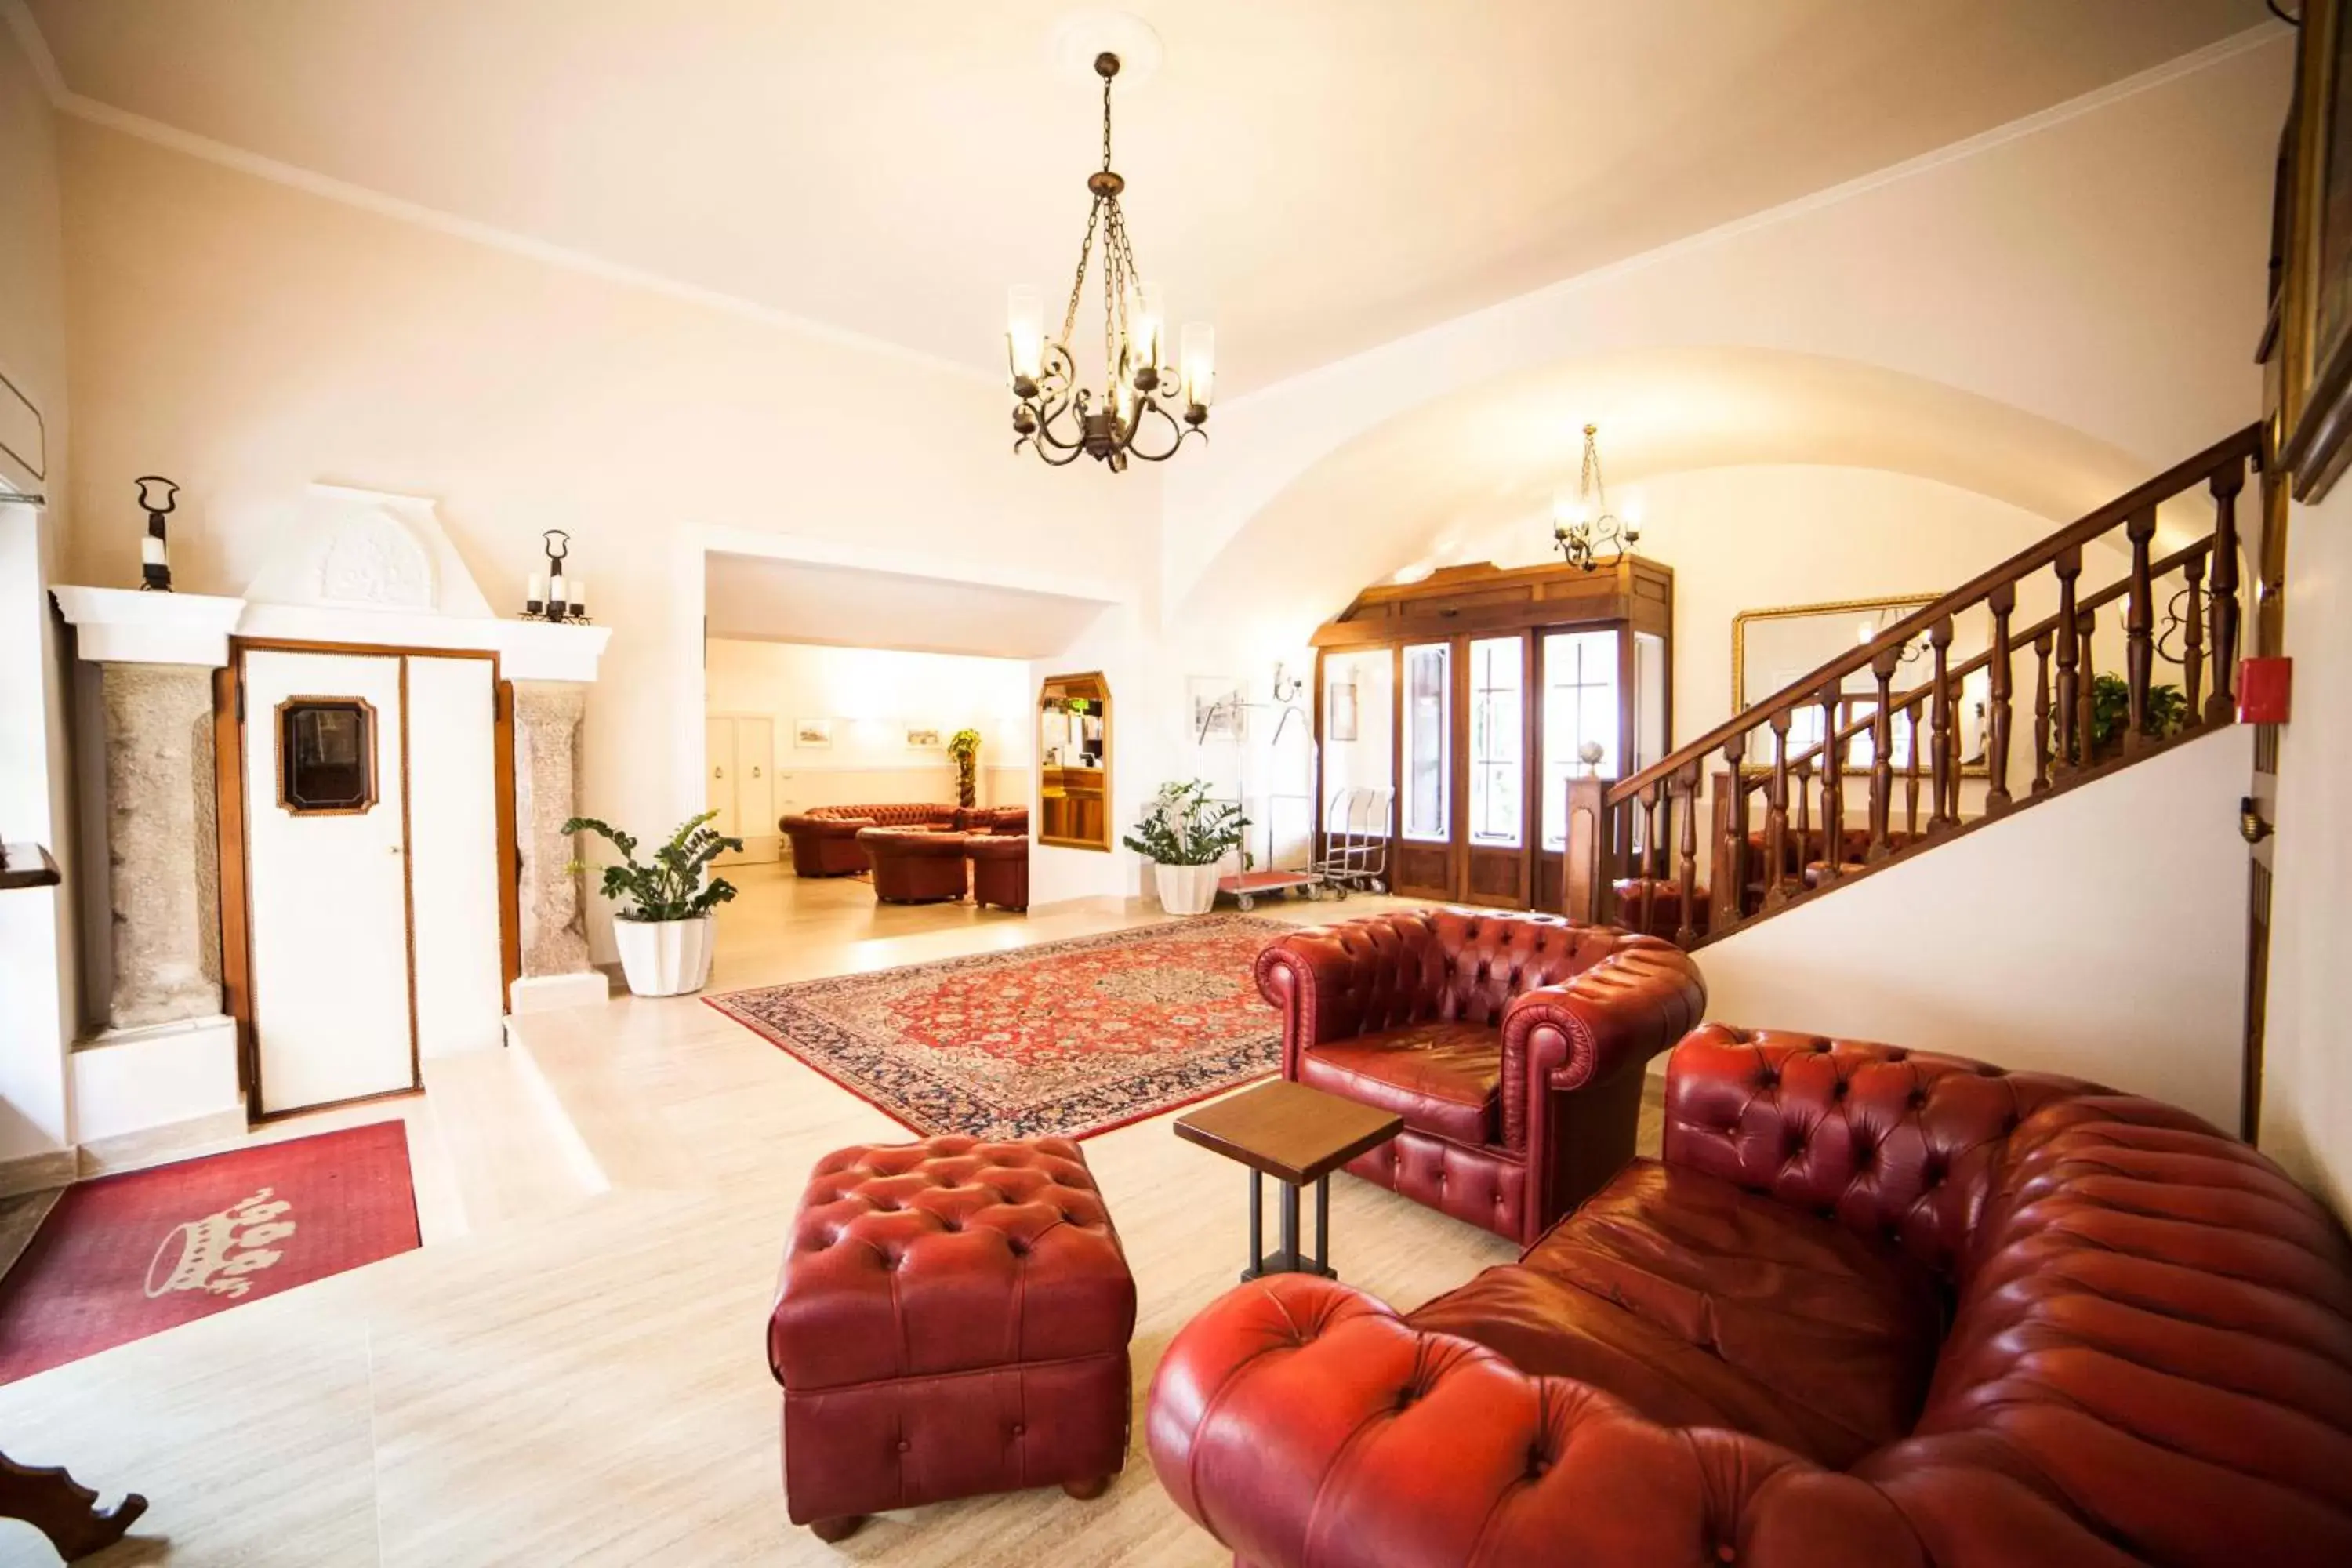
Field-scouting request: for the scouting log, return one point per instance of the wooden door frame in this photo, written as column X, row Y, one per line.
column 236, row 850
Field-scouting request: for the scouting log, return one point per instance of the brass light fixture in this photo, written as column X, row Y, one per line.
column 1135, row 415
column 1582, row 531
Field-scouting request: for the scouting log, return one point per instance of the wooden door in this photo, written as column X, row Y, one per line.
column 1493, row 748
column 755, row 786
column 326, row 843
column 1425, row 774
column 718, row 772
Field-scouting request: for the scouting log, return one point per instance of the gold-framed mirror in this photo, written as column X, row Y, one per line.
column 1771, row 648
column 1074, row 762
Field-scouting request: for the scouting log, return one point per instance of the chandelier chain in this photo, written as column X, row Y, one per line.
column 1078, row 283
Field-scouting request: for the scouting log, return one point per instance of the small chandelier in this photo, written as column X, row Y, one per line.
column 1582, row 530
column 1051, row 413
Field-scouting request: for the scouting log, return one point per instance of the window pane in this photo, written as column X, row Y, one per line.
column 1581, row 708
column 1428, row 751
column 1498, row 702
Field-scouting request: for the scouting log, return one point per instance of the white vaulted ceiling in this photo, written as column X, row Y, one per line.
column 1315, row 175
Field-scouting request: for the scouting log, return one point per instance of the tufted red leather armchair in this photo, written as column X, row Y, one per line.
column 915, row 865
column 1873, row 1309
column 1514, row 1046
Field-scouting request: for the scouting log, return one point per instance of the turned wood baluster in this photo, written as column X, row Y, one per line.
column 1804, row 771
column 2070, row 693
column 1776, row 817
column 2040, row 712
column 1686, row 883
column 1833, row 787
column 1911, row 767
column 1939, row 721
column 1882, row 753
column 1729, row 897
column 2221, row 707
column 2086, row 712
column 2193, row 641
column 1646, row 864
column 2001, row 601
column 2139, row 630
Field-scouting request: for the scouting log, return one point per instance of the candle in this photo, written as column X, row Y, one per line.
column 576, row 590
column 538, row 588
column 555, row 589
column 151, row 550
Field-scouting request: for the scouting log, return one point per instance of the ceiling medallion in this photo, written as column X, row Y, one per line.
column 1582, row 529
column 1134, row 415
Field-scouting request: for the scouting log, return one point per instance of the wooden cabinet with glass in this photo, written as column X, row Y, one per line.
column 1470, row 698
column 1074, row 762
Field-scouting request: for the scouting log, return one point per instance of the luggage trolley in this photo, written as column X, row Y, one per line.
column 1355, row 856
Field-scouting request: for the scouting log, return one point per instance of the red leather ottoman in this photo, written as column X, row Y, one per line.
column 953, row 1320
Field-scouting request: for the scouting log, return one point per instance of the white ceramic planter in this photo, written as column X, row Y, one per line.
column 664, row 958
column 1186, row 890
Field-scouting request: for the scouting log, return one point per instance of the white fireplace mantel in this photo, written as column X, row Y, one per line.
column 363, row 567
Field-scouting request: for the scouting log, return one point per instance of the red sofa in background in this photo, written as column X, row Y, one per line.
column 915, row 865
column 1513, row 1044
column 1872, row 1309
column 825, row 837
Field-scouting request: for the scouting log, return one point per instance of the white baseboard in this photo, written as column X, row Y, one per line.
column 129, row 1082
column 546, row 992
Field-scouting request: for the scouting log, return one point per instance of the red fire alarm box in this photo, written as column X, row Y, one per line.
column 2264, row 689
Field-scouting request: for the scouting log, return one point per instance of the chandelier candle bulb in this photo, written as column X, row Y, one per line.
column 1025, row 335
column 1199, row 356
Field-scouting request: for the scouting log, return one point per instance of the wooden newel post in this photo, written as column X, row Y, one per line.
column 1589, row 873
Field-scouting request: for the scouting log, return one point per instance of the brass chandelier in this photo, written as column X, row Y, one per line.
column 1134, row 415
column 1580, row 532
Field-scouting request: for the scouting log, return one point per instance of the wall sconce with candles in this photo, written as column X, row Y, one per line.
column 555, row 594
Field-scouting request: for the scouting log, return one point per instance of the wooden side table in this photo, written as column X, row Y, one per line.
column 1297, row 1135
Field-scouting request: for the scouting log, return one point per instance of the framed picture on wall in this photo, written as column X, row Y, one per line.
column 812, row 734
column 925, row 738
column 2312, row 236
column 1216, row 708
column 1339, row 715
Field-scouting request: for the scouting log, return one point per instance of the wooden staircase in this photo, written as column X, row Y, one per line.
column 1887, row 784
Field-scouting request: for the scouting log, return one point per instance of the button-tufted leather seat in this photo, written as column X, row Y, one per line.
column 825, row 837
column 952, row 1318
column 1738, row 1353
column 1512, row 1045
column 914, row 865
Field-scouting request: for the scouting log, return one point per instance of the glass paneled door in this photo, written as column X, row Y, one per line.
column 1463, row 759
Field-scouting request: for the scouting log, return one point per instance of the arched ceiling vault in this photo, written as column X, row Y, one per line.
column 1406, row 494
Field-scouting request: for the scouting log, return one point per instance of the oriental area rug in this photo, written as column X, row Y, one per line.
column 121, row 1257
column 1066, row 1038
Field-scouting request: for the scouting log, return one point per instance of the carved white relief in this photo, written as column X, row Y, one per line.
column 372, row 560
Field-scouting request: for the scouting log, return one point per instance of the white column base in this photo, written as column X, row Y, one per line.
column 130, row 1081
column 545, row 993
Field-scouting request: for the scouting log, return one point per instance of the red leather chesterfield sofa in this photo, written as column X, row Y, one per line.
column 825, row 837
column 1873, row 1310
column 1512, row 1045
column 1000, row 869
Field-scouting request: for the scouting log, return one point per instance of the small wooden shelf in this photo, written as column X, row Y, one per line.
column 27, row 865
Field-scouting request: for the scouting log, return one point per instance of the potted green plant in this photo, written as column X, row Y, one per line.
column 664, row 934
column 2167, row 711
column 1184, row 835
column 964, row 748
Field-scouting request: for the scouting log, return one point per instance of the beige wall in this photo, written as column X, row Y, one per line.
column 2307, row 1060
column 247, row 338
column 39, row 996
column 872, row 695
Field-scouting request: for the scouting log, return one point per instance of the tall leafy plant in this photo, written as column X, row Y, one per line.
column 2166, row 712
column 672, row 888
column 1182, row 826
column 963, row 746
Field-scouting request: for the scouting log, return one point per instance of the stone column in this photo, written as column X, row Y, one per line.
column 555, row 968
column 163, row 844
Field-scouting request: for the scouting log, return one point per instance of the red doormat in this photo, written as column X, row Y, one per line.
column 124, row 1256
column 1066, row 1038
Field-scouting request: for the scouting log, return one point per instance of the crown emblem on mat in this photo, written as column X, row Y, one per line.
column 218, row 1251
